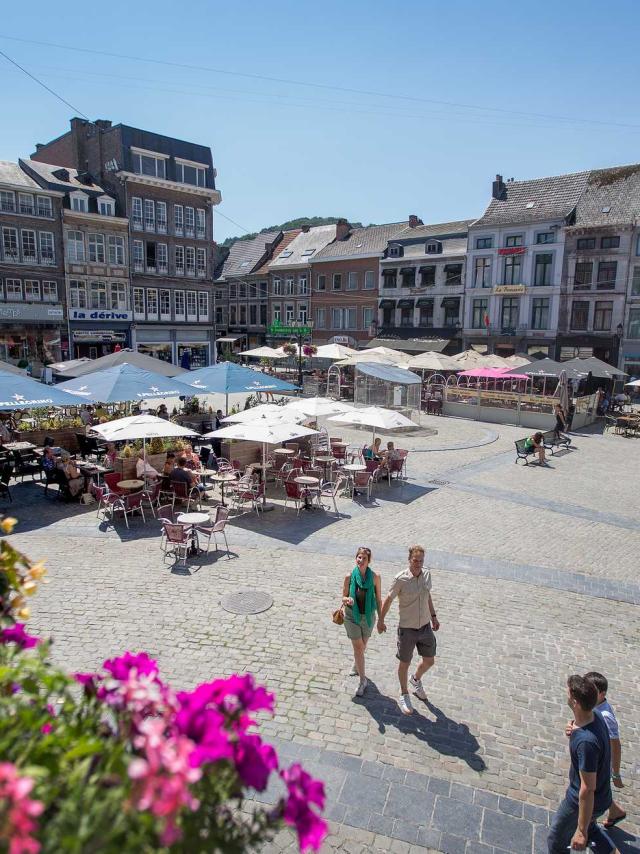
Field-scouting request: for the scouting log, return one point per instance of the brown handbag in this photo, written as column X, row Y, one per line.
column 338, row 616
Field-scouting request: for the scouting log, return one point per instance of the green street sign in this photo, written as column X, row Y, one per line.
column 281, row 330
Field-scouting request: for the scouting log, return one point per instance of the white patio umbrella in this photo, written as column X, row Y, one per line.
column 433, row 362
column 264, row 353
column 334, row 351
column 397, row 356
column 265, row 411
column 265, row 432
column 635, row 383
column 140, row 427
column 315, row 407
column 375, row 417
column 562, row 391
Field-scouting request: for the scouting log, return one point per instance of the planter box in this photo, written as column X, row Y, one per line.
column 126, row 466
column 244, row 452
column 64, row 437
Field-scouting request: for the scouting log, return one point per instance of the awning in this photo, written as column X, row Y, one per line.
column 406, row 303
column 389, row 373
column 424, row 269
column 387, row 303
column 425, row 302
column 451, row 268
column 229, row 339
column 391, row 273
column 407, row 269
column 450, row 302
column 410, row 345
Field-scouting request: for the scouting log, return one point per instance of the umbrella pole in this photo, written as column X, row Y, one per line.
column 265, row 506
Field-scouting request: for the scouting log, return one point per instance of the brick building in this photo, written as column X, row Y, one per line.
column 165, row 187
column 344, row 277
column 32, row 317
column 422, row 287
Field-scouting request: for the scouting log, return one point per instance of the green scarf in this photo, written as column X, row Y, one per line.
column 368, row 586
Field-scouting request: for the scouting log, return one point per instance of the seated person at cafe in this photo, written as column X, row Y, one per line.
column 535, row 445
column 144, row 469
column 373, row 453
column 5, row 435
column 192, row 459
column 163, row 412
column 49, row 465
column 74, row 480
column 110, row 456
column 170, row 463
column 181, row 474
column 390, row 454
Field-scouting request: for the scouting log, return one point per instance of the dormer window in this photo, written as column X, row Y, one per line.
column 148, row 163
column 396, row 251
column 434, row 247
column 106, row 206
column 79, row 202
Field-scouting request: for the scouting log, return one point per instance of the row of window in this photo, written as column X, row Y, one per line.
column 98, row 294
column 155, row 166
column 154, row 304
column 513, row 240
column 255, row 314
column 26, row 204
column 80, row 202
column 510, row 313
column 351, row 281
column 427, row 276
column 29, row 290
column 606, row 277
column 100, row 248
column 28, row 247
column 343, row 318
column 512, row 270
column 602, row 316
column 152, row 257
column 149, row 215
column 424, row 316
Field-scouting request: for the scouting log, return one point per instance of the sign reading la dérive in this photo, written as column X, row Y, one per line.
column 285, row 331
column 97, row 314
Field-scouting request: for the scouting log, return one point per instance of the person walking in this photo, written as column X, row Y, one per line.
column 416, row 626
column 561, row 423
column 616, row 813
column 361, row 597
column 588, row 795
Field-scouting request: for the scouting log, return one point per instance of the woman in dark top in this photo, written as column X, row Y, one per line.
column 361, row 598
column 561, row 422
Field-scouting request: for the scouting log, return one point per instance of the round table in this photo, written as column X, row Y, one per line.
column 352, row 468
column 283, row 452
column 205, row 473
column 193, row 519
column 222, row 478
column 307, row 480
column 326, row 460
column 130, row 485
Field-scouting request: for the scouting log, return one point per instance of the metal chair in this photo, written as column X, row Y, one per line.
column 128, row 505
column 361, row 480
column 176, row 541
column 151, row 494
column 25, row 464
column 183, row 492
column 209, row 533
column 106, row 500
column 294, row 493
column 5, row 477
column 331, row 490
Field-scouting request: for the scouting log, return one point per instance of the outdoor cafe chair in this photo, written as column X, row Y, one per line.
column 376, row 470
column 184, row 493
column 283, row 472
column 396, row 467
column 130, row 504
column 362, row 480
column 5, row 477
column 331, row 490
column 176, row 541
column 25, row 464
column 112, row 479
column 251, row 493
column 209, row 532
column 151, row 494
column 105, row 499
column 224, row 465
column 339, row 452
column 294, row 493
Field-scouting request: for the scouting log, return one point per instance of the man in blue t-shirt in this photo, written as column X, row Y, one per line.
column 589, row 791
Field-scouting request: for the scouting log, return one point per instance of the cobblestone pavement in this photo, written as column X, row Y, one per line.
column 533, row 580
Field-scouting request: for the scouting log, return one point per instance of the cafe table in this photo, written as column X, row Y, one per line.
column 130, row 485
column 20, row 446
column 325, row 460
column 192, row 520
column 222, row 478
column 307, row 480
column 351, row 469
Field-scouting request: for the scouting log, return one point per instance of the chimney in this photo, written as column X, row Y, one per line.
column 343, row 228
column 414, row 221
column 103, row 124
column 39, row 145
column 306, row 228
column 498, row 189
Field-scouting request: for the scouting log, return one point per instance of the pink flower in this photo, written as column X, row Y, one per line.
column 303, row 790
column 254, row 761
column 132, row 686
column 17, row 634
column 45, row 729
column 18, row 811
column 163, row 775
column 200, row 719
column 121, row 667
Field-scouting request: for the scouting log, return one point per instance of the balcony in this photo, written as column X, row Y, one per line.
column 161, row 227
column 48, row 260
column 151, row 268
column 149, row 225
column 179, row 230
column 200, row 233
column 8, row 207
column 189, row 231
column 191, row 271
column 179, row 271
column 202, row 274
column 30, row 259
column 163, row 269
column 27, row 210
column 138, row 267
column 136, row 223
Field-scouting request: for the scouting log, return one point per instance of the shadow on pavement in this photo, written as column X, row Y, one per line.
column 444, row 735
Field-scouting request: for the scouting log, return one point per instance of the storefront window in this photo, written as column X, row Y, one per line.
column 199, row 354
column 164, row 352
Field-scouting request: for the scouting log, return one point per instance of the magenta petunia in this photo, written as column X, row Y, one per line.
column 121, row 667
column 303, row 790
column 254, row 761
column 17, row 634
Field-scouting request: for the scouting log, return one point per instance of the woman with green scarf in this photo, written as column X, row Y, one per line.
column 361, row 598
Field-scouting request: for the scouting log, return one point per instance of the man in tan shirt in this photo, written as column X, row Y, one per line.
column 417, row 624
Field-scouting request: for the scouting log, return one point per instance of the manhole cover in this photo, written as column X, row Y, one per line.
column 246, row 602
column 439, row 482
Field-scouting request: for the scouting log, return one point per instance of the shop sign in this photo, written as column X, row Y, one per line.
column 31, row 311
column 97, row 314
column 99, row 335
column 509, row 290
column 512, row 250
column 279, row 329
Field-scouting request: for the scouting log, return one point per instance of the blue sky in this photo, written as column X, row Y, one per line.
column 284, row 150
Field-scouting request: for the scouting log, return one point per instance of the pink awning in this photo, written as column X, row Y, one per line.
column 492, row 374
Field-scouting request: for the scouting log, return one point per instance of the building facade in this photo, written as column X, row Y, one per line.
column 96, row 261
column 600, row 251
column 244, row 286
column 515, row 259
column 290, row 272
column 344, row 279
column 422, row 287
column 32, row 312
column 165, row 188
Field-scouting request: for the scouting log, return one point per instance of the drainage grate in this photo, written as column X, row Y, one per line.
column 439, row 482
column 246, row 602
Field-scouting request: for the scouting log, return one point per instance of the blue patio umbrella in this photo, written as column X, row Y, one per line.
column 124, row 383
column 18, row 392
column 228, row 378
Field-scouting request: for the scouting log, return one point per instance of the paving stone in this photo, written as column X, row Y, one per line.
column 485, row 799
column 506, row 832
column 511, row 807
column 461, row 793
column 381, row 824
column 409, row 804
column 416, row 781
column 366, row 793
column 439, row 787
column 455, row 817
column 537, row 814
column 357, row 817
column 429, row 837
column 405, row 830
column 450, row 844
